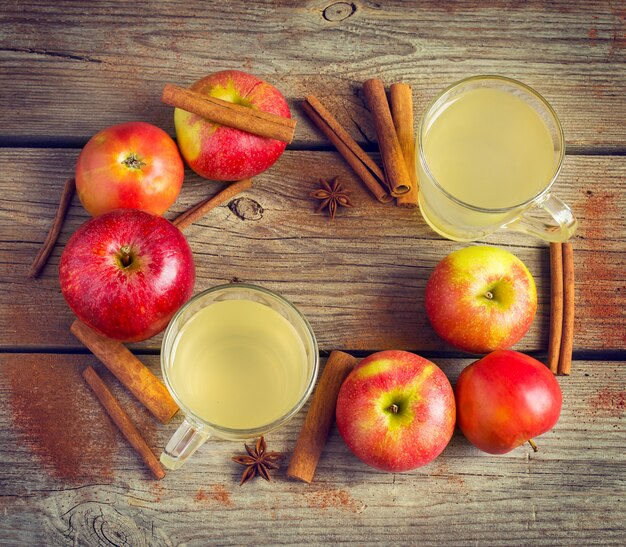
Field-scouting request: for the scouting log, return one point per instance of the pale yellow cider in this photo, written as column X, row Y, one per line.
column 489, row 149
column 239, row 364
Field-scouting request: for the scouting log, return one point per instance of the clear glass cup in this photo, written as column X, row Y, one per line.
column 458, row 220
column 195, row 431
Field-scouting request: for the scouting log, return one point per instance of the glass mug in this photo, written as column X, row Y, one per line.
column 206, row 354
column 489, row 150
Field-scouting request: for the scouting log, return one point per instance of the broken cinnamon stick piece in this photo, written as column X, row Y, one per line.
column 200, row 209
column 374, row 180
column 396, row 171
column 567, row 340
column 129, row 370
column 401, row 100
column 320, row 417
column 258, row 122
column 556, row 306
column 122, row 421
column 64, row 204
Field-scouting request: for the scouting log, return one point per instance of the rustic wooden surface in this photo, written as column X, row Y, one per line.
column 68, row 69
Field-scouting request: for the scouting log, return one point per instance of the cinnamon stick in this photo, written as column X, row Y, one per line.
column 201, row 208
column 401, row 100
column 373, row 179
column 567, row 341
column 64, row 204
column 396, row 171
column 556, row 305
column 131, row 372
column 320, row 417
column 258, row 122
column 122, row 421
column 345, row 137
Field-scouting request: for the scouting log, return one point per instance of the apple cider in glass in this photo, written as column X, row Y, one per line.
column 489, row 150
column 239, row 364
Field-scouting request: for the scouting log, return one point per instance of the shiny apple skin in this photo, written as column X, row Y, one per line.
column 130, row 303
column 505, row 399
column 423, row 425
column 105, row 183
column 460, row 311
column 218, row 152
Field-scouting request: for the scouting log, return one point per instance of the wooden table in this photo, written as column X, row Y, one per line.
column 69, row 69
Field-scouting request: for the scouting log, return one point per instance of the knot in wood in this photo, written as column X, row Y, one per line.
column 338, row 11
column 101, row 524
column 246, row 209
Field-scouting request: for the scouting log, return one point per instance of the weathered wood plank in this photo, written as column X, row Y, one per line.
column 571, row 491
column 69, row 70
column 360, row 280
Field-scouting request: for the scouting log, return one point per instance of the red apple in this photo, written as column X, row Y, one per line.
column 395, row 411
column 132, row 165
column 222, row 153
column 505, row 399
column 480, row 299
column 125, row 273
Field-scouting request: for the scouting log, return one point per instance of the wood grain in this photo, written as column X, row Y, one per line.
column 359, row 280
column 571, row 491
column 58, row 60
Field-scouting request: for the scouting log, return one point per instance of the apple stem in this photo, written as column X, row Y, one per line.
column 489, row 295
column 534, row 445
column 125, row 257
column 133, row 161
column 394, row 409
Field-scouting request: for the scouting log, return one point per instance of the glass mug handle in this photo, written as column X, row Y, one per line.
column 565, row 221
column 187, row 439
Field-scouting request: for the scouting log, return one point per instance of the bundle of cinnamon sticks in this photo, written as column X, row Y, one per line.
column 561, row 341
column 393, row 121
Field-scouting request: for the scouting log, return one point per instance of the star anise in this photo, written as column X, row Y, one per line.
column 258, row 461
column 332, row 195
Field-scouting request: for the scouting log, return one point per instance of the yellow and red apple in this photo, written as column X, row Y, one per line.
column 219, row 152
column 132, row 165
column 480, row 299
column 505, row 399
column 396, row 411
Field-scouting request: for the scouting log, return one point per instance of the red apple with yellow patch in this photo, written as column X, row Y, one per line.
column 396, row 411
column 219, row 152
column 480, row 299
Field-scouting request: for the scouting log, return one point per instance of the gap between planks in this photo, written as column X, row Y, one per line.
column 578, row 355
column 370, row 147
